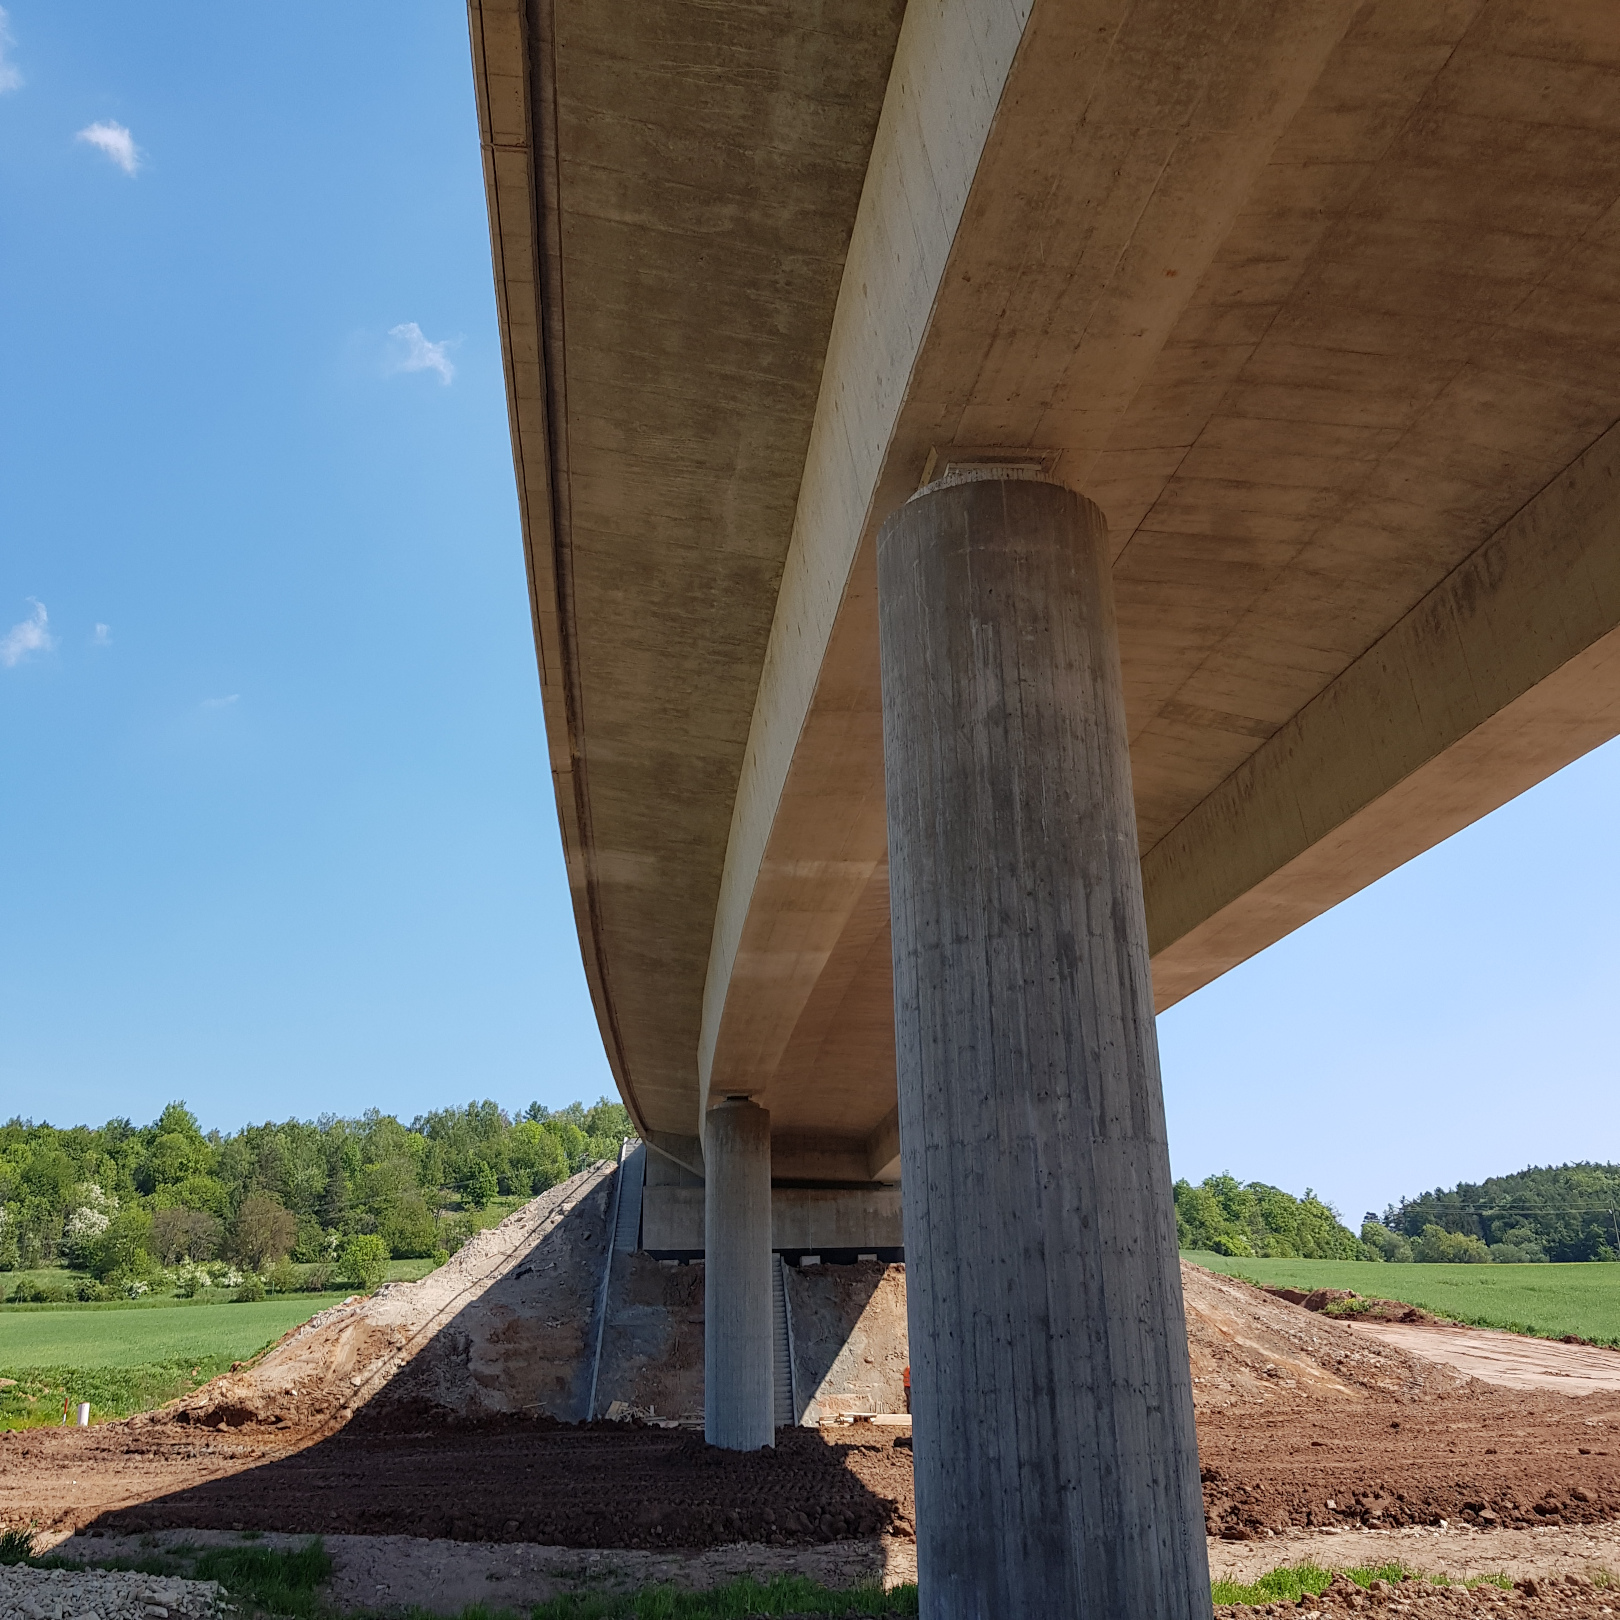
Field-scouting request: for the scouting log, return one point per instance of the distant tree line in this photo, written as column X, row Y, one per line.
column 1567, row 1212
column 1253, row 1220
column 1553, row 1212
column 122, row 1201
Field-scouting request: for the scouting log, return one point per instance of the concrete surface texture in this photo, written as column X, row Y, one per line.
column 1313, row 300
column 739, row 1411
column 1056, row 1462
column 801, row 1218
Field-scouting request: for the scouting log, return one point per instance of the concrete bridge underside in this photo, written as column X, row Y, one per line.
column 1317, row 302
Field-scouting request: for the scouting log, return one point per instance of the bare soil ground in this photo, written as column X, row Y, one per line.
column 652, row 1352
column 502, row 1328
column 849, row 1338
column 432, row 1412
column 1509, row 1359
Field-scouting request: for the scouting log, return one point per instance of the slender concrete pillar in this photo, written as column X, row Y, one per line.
column 1056, row 1464
column 739, row 1406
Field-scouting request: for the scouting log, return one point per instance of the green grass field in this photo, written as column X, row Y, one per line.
column 120, row 1335
column 130, row 1357
column 1546, row 1300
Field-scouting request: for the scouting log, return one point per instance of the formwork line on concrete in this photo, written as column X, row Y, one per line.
column 602, row 1289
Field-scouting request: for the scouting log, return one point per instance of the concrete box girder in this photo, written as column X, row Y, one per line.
column 1317, row 301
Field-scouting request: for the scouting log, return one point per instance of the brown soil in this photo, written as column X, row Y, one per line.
column 591, row 1485
column 1303, row 1422
column 1511, row 1360
column 502, row 1328
column 1574, row 1597
column 849, row 1338
column 652, row 1352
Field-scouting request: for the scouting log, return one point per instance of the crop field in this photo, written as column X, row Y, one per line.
column 1551, row 1301
column 135, row 1335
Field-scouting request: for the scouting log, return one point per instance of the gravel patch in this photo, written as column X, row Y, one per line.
column 102, row 1594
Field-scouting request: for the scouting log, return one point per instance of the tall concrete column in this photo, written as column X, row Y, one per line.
column 739, row 1409
column 1056, row 1464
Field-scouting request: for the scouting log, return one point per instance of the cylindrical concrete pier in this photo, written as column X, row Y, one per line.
column 739, row 1410
column 1056, row 1464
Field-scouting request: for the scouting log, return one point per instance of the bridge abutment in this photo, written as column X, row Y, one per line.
column 1056, row 1462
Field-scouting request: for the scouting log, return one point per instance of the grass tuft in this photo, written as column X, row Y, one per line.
column 16, row 1546
column 783, row 1594
column 1293, row 1582
column 259, row 1580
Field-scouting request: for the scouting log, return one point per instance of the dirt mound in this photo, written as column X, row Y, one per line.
column 1345, row 1302
column 1250, row 1347
column 501, row 1328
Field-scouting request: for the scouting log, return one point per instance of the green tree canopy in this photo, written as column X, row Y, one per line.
column 125, row 1199
column 1253, row 1219
column 1546, row 1212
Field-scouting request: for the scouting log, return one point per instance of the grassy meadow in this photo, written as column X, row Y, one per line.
column 1546, row 1300
column 127, row 1356
column 132, row 1335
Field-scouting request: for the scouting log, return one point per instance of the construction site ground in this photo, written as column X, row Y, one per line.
column 429, row 1433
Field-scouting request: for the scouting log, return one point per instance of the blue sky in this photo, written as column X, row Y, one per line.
column 279, row 838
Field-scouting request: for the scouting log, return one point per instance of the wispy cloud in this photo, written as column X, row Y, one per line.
column 102, row 637
column 417, row 354
column 10, row 77
column 29, row 635
column 221, row 702
column 116, row 142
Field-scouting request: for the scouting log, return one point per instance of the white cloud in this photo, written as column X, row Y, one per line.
column 220, row 703
column 10, row 78
column 420, row 355
column 102, row 637
column 116, row 142
column 28, row 636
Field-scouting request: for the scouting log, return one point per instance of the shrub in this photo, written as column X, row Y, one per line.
column 265, row 1230
column 125, row 1247
column 1454, row 1248
column 407, row 1227
column 184, row 1234
column 318, row 1277
column 251, row 1289
column 482, row 1184
column 191, row 1280
column 282, row 1277
column 1387, row 1245
column 363, row 1261
column 536, row 1156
